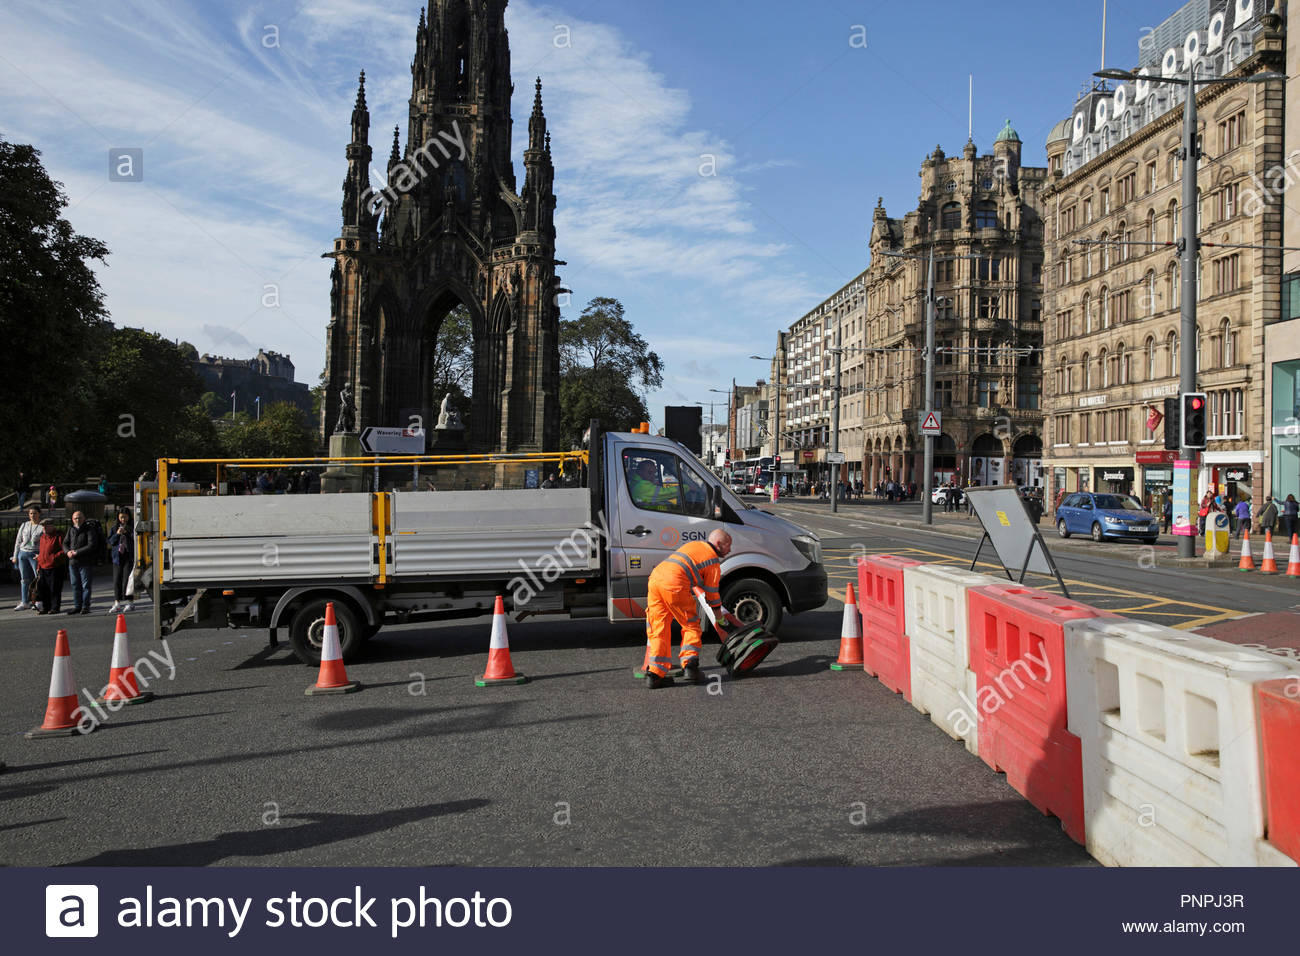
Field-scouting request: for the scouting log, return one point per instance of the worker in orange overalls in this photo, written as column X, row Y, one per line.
column 696, row 564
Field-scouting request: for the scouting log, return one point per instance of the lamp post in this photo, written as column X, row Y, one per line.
column 777, row 386
column 727, row 392
column 927, row 485
column 1189, row 244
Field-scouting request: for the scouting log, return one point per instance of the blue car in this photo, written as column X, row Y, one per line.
column 1106, row 516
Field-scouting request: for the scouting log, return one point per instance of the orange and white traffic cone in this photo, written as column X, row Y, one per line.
column 850, row 635
column 499, row 669
column 1293, row 560
column 61, row 712
column 1247, row 562
column 122, row 685
column 1269, row 564
column 333, row 677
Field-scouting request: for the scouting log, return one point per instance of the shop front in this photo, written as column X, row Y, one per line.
column 1157, row 475
column 1232, row 473
column 1116, row 480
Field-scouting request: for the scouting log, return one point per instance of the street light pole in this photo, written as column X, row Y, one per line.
column 927, row 486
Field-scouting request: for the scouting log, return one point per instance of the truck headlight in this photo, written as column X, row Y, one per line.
column 810, row 546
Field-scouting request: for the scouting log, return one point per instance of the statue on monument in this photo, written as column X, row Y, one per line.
column 347, row 421
column 448, row 417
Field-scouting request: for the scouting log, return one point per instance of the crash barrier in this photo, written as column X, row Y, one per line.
column 884, row 641
column 1278, row 705
column 942, row 683
column 1017, row 652
column 1171, row 758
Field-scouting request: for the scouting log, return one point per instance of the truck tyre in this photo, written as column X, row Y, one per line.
column 753, row 601
column 308, row 630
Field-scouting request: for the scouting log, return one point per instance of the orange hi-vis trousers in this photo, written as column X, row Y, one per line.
column 672, row 597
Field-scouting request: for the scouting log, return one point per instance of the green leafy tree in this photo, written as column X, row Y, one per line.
column 606, row 369
column 51, row 319
column 452, row 368
column 282, row 432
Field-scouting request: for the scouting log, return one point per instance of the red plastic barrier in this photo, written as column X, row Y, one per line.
column 1017, row 652
column 1278, row 704
column 885, row 649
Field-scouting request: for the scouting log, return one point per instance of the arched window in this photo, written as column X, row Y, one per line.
column 1172, row 234
column 1171, row 354
column 1087, row 371
column 950, row 216
column 1126, row 236
column 1103, row 366
column 1087, row 313
column 1105, row 251
column 1104, row 303
column 1227, row 344
column 1171, row 286
column 1151, row 358
column 1151, row 227
column 1149, row 292
column 1121, row 365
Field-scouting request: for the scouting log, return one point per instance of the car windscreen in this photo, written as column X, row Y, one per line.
column 1118, row 503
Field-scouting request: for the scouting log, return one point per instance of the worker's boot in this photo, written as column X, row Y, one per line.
column 691, row 672
column 655, row 681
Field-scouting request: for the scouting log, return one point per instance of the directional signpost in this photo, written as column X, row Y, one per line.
column 393, row 441
column 930, row 424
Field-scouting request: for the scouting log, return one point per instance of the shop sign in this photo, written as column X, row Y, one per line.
column 1156, row 457
column 1237, row 474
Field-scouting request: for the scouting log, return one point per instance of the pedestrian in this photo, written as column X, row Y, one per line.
column 20, row 488
column 1167, row 512
column 51, row 569
column 1290, row 516
column 696, row 564
column 103, row 484
column 1267, row 514
column 121, row 547
column 1230, row 507
column 26, row 547
column 549, row 482
column 82, row 547
column 1203, row 513
column 1242, row 513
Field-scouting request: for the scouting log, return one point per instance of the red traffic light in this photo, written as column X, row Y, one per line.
column 1197, row 403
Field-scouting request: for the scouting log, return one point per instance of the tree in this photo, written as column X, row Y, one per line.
column 602, row 338
column 282, row 432
column 51, row 319
column 452, row 367
column 606, row 368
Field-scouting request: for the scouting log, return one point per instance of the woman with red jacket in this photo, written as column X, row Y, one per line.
column 51, row 569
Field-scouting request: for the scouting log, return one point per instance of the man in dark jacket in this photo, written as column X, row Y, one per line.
column 82, row 546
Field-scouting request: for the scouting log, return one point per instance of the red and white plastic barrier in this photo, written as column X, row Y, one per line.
column 885, row 651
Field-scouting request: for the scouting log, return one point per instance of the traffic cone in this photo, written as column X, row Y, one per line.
column 333, row 678
column 1269, row 564
column 1247, row 562
column 122, row 684
column 1293, row 560
column 499, row 669
column 61, row 712
column 850, row 635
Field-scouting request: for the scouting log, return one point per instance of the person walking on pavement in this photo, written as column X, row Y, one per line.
column 121, row 546
column 82, row 547
column 1242, row 512
column 1290, row 516
column 26, row 546
column 1267, row 514
column 51, row 569
column 1167, row 512
column 696, row 564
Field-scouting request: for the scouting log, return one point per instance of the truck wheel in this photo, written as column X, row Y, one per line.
column 308, row 631
column 370, row 630
column 754, row 602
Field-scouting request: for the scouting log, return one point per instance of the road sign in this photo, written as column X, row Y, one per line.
column 835, row 457
column 393, row 441
column 930, row 424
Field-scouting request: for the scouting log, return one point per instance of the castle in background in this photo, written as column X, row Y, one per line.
column 267, row 375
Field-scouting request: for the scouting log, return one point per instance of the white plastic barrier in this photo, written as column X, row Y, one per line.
column 1166, row 719
column 943, row 684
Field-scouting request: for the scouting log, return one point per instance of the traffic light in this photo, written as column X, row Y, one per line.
column 1173, row 424
column 776, row 464
column 1193, row 423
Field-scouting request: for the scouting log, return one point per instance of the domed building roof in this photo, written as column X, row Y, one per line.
column 1008, row 135
column 1060, row 131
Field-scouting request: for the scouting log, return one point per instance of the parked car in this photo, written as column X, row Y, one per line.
column 1105, row 515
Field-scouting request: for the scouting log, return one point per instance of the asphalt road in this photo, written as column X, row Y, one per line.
column 231, row 764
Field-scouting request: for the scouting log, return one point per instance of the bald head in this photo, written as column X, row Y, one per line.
column 721, row 541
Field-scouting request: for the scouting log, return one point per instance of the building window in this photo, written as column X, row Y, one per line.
column 1149, row 292
column 1227, row 345
column 1151, row 359
column 1126, row 188
column 986, row 216
column 990, row 269
column 1172, row 235
column 1085, row 428
column 1087, row 313
column 1171, row 355
column 950, row 218
column 1064, row 325
column 1291, row 296
column 943, row 394
column 1104, row 299
column 988, row 307
column 1104, row 246
column 1069, row 220
column 1119, row 307
column 1151, row 176
column 1087, row 211
column 945, row 354
column 987, row 394
column 1036, row 272
column 1151, row 228
column 1226, row 273
column 1171, row 286
column 1086, row 365
column 1105, row 202
column 1103, row 364
column 1228, row 201
column 1029, row 394
column 1173, row 164
column 1121, row 365
column 1061, row 429
column 1231, row 131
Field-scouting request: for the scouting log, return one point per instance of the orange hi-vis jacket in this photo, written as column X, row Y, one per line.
column 672, row 597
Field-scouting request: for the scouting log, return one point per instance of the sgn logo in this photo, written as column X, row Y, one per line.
column 71, row 910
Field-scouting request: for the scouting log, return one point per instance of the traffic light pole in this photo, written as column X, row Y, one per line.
column 927, row 484
column 835, row 427
column 1187, row 345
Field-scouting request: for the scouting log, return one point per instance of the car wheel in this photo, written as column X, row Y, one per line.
column 754, row 602
column 307, row 631
column 1061, row 529
column 1096, row 531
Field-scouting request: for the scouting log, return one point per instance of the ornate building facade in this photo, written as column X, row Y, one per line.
column 1114, row 298
column 450, row 228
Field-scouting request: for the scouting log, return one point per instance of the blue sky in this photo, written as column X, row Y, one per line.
column 242, row 112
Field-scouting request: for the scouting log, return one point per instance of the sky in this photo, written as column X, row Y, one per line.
column 717, row 162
